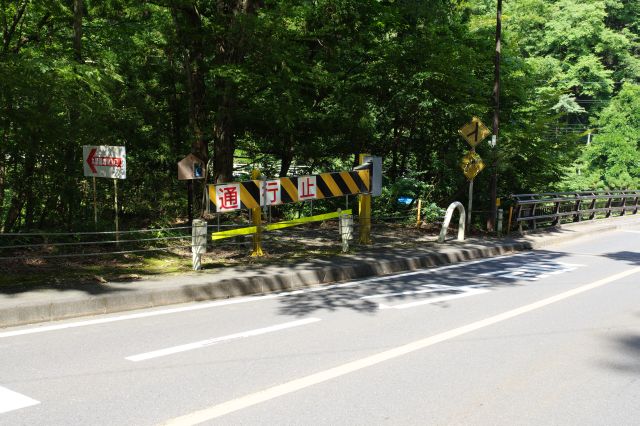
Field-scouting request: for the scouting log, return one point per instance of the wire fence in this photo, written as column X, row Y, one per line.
column 16, row 247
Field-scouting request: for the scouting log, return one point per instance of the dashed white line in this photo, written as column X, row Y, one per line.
column 10, row 400
column 210, row 342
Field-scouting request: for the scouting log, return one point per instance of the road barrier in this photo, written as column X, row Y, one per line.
column 447, row 219
column 534, row 210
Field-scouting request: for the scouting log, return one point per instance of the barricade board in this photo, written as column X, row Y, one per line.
column 256, row 193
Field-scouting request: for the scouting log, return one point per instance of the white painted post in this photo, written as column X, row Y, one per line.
column 198, row 242
column 345, row 229
column 447, row 219
column 500, row 214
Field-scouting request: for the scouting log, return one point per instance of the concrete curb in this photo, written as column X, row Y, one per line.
column 121, row 299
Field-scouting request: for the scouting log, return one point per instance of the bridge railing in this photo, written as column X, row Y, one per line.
column 552, row 208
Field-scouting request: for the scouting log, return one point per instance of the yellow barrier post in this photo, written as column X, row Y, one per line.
column 364, row 211
column 256, row 217
column 419, row 211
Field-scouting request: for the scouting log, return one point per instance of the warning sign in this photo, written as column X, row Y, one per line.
column 471, row 165
column 474, row 132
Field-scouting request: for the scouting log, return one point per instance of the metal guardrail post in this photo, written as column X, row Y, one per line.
column 578, row 216
column 198, row 242
column 447, row 219
column 608, row 206
column 556, row 220
column 592, row 206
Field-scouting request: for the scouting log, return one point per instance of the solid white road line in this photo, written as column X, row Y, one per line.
column 10, row 400
column 247, row 299
column 630, row 231
column 210, row 342
column 237, row 404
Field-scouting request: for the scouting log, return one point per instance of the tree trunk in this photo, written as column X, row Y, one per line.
column 230, row 51
column 69, row 194
column 189, row 29
column 224, row 137
column 286, row 158
column 77, row 30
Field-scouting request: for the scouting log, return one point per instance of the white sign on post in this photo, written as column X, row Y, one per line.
column 273, row 193
column 104, row 161
column 307, row 188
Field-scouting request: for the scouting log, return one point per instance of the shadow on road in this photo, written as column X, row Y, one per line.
column 426, row 284
column 630, row 257
column 628, row 350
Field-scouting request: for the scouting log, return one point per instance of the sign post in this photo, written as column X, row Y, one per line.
column 95, row 204
column 256, row 217
column 115, row 197
column 364, row 210
column 107, row 162
column 189, row 169
column 473, row 132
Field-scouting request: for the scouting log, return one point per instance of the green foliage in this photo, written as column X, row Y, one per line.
column 303, row 87
column 612, row 160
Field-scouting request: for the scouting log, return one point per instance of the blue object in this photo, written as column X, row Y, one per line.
column 405, row 200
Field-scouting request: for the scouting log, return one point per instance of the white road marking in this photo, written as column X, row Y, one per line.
column 632, row 232
column 10, row 400
column 249, row 400
column 467, row 292
column 429, row 289
column 460, row 291
column 210, row 342
column 532, row 271
column 246, row 299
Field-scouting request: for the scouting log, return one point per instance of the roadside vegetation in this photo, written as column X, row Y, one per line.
column 299, row 86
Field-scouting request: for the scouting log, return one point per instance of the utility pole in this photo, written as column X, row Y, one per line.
column 491, row 221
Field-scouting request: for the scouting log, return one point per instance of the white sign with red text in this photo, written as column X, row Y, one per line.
column 104, row 161
column 272, row 191
column 228, row 197
column 307, row 188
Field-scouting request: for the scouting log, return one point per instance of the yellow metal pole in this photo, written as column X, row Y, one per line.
column 419, row 211
column 256, row 218
column 510, row 215
column 364, row 211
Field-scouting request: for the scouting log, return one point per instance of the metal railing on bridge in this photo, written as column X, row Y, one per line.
column 552, row 208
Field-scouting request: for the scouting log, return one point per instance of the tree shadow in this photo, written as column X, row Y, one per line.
column 628, row 350
column 421, row 285
column 631, row 257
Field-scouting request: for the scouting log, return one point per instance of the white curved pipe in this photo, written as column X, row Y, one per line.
column 447, row 220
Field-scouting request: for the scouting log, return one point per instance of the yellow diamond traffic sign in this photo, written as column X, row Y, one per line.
column 474, row 132
column 471, row 164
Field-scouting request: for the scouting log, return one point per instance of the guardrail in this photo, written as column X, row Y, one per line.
column 552, row 208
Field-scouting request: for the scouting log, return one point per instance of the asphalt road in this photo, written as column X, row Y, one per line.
column 544, row 337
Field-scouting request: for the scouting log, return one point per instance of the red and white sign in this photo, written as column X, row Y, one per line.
column 104, row 161
column 228, row 197
column 307, row 188
column 273, row 191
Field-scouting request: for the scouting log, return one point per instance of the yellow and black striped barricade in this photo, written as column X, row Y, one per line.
column 256, row 193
